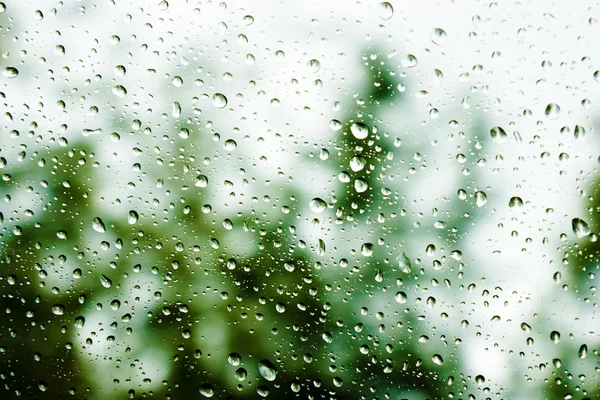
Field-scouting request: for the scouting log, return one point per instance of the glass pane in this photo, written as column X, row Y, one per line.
column 316, row 200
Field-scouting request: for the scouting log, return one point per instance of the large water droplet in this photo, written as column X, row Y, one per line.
column 385, row 10
column 359, row 130
column 401, row 297
column 318, row 205
column 98, row 225
column 105, row 280
column 480, row 198
column 219, row 100
column 498, row 134
column 404, row 263
column 207, row 390
column 580, row 227
column 132, row 217
column 552, row 111
column 438, row 36
column 267, row 370
column 10, row 72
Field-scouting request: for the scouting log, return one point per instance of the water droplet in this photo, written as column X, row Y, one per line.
column 335, row 125
column 480, row 379
column 357, row 163
column 437, row 359
column 132, row 217
column 248, row 20
column 207, row 390
column 120, row 71
column 515, row 201
column 555, row 336
column 580, row 227
column 367, row 249
column 401, row 297
column 234, row 359
column 240, row 374
column 438, row 36
column 552, row 111
column 480, row 198
column 314, row 65
column 79, row 322
column 219, row 100
column 579, row 132
column 267, row 370
column 498, row 134
column 106, row 282
column 318, row 205
column 38, row 15
column 404, row 263
column 361, row 185
column 409, row 61
column 177, row 81
column 10, row 72
column 119, row 91
column 98, row 225
column 583, row 350
column 58, row 309
column 201, row 181
column 385, row 10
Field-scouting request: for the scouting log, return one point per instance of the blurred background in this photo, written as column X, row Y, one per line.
column 316, row 200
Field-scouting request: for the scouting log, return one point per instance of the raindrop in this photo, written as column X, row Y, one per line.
column 132, row 217
column 359, row 130
column 385, row 10
column 201, row 181
column 438, row 36
column 480, row 198
column 335, row 125
column 515, row 202
column 219, row 100
column 207, row 390
column 404, row 263
column 555, row 336
column 106, row 282
column 318, row 205
column 119, row 91
column 498, row 134
column 401, row 297
column 234, row 359
column 580, row 227
column 98, row 225
column 10, row 72
column 314, row 65
column 552, row 111
column 58, row 309
column 437, row 359
column 267, row 370
column 583, row 350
